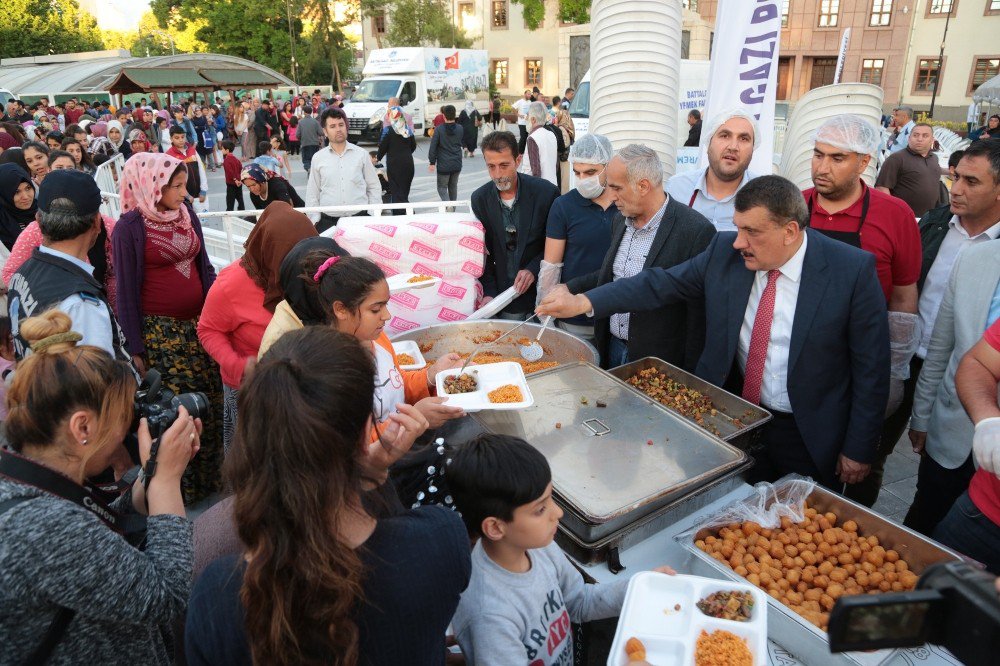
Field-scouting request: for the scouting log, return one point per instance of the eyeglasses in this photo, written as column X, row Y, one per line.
column 511, row 238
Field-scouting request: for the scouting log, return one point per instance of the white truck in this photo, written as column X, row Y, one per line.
column 424, row 80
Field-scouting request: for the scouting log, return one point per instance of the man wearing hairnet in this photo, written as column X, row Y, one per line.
column 731, row 137
column 842, row 206
column 578, row 232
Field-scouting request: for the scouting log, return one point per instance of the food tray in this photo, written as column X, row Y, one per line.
column 788, row 628
column 502, row 300
column 399, row 283
column 489, row 377
column 670, row 635
column 413, row 349
column 729, row 406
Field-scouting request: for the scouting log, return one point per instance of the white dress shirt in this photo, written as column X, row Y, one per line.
column 342, row 180
column 90, row 316
column 954, row 242
column 718, row 211
column 774, row 387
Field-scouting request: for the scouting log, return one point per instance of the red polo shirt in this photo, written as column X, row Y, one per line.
column 984, row 489
column 890, row 233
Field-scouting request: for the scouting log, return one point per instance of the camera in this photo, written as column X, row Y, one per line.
column 954, row 605
column 159, row 405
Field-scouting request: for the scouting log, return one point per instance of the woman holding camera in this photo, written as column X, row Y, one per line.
column 72, row 587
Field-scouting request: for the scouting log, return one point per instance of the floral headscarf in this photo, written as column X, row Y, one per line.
column 398, row 122
column 142, row 183
column 255, row 172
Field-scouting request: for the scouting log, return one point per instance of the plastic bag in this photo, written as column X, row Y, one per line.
column 904, row 336
column 548, row 277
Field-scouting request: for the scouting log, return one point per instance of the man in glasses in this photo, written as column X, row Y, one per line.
column 513, row 208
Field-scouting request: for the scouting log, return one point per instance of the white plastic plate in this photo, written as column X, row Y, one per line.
column 400, row 282
column 669, row 633
column 489, row 377
column 502, row 300
column 413, row 349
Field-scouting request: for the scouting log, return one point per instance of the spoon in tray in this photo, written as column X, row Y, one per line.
column 533, row 351
column 483, row 345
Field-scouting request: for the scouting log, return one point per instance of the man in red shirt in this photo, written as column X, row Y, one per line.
column 843, row 207
column 972, row 527
column 72, row 113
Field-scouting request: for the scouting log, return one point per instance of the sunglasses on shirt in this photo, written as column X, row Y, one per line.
column 511, row 238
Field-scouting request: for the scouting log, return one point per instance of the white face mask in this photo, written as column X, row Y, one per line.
column 590, row 188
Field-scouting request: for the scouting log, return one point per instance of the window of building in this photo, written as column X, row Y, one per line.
column 500, row 8
column 533, row 72
column 928, row 70
column 378, row 22
column 881, row 13
column 784, row 78
column 823, row 72
column 983, row 70
column 871, row 71
column 829, row 13
column 784, row 13
column 466, row 12
column 685, row 43
column 500, row 72
column 992, row 7
column 690, row 4
column 941, row 7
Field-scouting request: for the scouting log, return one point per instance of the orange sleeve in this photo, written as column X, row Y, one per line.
column 414, row 381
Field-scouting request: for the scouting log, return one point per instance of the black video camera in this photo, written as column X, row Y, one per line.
column 955, row 606
column 158, row 405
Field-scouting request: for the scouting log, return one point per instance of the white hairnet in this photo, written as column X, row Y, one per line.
column 591, row 149
column 849, row 132
column 720, row 119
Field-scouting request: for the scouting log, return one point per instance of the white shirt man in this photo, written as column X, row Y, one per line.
column 541, row 155
column 341, row 174
column 521, row 106
column 903, row 118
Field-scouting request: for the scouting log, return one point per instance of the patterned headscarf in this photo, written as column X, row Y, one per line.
column 398, row 122
column 255, row 172
column 142, row 183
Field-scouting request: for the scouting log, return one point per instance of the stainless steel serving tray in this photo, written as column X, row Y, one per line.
column 788, row 629
column 612, row 465
column 729, row 406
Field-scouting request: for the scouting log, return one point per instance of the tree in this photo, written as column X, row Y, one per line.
column 570, row 11
column 148, row 39
column 418, row 23
column 41, row 27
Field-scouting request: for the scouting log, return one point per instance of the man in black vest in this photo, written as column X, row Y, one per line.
column 58, row 274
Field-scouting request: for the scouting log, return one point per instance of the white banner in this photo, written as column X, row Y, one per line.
column 844, row 41
column 744, row 69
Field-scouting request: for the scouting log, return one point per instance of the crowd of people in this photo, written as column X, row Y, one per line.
column 348, row 530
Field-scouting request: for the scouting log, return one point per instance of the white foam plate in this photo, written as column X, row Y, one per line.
column 413, row 349
column 670, row 635
column 399, row 283
column 502, row 300
column 489, row 377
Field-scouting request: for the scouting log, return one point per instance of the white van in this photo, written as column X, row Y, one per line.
column 424, row 80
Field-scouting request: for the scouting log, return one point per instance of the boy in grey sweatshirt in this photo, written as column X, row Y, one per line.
column 524, row 594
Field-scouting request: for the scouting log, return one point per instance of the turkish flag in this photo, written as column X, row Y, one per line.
column 451, row 62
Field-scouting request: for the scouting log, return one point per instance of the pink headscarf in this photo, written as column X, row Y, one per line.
column 100, row 128
column 143, row 179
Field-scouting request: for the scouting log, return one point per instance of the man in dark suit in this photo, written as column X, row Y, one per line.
column 797, row 323
column 651, row 229
column 513, row 208
column 694, row 134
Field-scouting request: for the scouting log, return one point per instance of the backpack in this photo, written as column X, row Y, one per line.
column 208, row 138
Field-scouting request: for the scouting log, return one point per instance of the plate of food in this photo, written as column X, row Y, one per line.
column 690, row 621
column 408, row 355
column 492, row 386
column 409, row 281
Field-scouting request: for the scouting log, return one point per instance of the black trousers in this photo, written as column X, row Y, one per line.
column 937, row 489
column 523, row 141
column 329, row 221
column 783, row 451
column 234, row 198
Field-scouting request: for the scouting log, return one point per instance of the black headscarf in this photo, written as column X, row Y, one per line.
column 302, row 297
column 12, row 219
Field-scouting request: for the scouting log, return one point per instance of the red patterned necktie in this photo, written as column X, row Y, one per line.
column 760, row 336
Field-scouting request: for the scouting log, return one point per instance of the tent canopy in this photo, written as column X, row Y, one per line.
column 989, row 91
column 163, row 79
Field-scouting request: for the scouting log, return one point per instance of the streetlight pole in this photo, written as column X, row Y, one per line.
column 291, row 42
column 937, row 77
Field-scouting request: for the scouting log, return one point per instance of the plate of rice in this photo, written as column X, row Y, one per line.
column 408, row 355
column 497, row 386
column 409, row 281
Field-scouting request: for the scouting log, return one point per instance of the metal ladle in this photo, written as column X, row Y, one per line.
column 483, row 345
column 533, row 351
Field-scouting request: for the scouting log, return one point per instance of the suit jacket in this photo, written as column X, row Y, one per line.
column 534, row 197
column 675, row 333
column 838, row 361
column 933, row 228
column 960, row 323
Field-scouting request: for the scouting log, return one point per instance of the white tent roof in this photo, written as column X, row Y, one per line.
column 989, row 91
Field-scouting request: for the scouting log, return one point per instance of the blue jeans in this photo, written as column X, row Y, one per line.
column 971, row 533
column 617, row 352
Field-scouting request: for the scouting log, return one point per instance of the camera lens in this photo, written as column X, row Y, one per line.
column 195, row 403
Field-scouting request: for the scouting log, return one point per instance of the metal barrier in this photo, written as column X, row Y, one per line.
column 374, row 210
column 107, row 176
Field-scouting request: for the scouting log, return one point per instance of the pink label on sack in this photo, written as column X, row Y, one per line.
column 424, row 250
column 387, row 269
column 473, row 223
column 401, row 324
column 426, row 226
column 447, row 314
column 406, row 299
column 339, row 232
column 383, row 251
column 473, row 244
column 452, row 290
column 472, row 268
column 387, row 229
column 423, row 269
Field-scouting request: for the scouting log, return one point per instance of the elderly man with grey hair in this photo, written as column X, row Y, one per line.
column 731, row 138
column 541, row 152
column 650, row 229
column 902, row 120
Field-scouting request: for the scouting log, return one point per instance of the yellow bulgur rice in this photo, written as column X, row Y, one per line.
column 506, row 394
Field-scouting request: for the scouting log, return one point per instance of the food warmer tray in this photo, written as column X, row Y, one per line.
column 730, row 406
column 785, row 626
column 613, row 465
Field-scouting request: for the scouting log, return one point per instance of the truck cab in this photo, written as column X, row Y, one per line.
column 367, row 106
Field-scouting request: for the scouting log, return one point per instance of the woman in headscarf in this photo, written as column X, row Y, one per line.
column 99, row 143
column 116, row 135
column 138, row 142
column 397, row 146
column 470, row 119
column 164, row 275
column 17, row 203
column 241, row 303
column 266, row 187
